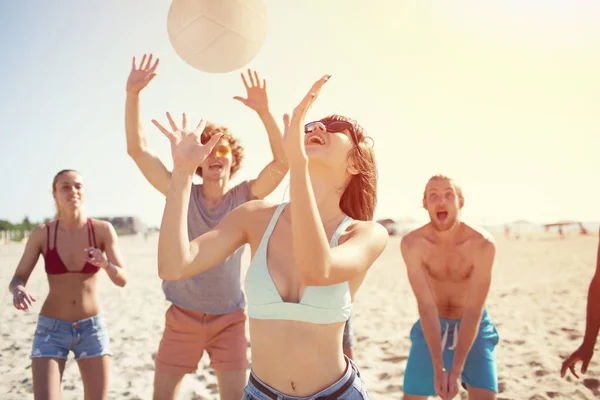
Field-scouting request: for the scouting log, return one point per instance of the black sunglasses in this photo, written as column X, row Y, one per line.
column 332, row 126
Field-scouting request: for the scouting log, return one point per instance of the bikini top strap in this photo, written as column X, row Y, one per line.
column 273, row 221
column 55, row 233
column 91, row 233
column 340, row 229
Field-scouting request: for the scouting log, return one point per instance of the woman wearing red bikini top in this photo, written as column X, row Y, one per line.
column 73, row 247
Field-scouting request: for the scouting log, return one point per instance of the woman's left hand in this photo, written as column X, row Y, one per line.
column 293, row 135
column 95, row 257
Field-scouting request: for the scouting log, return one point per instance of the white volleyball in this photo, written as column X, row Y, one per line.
column 217, row 36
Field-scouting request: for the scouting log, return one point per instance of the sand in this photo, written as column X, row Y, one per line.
column 537, row 301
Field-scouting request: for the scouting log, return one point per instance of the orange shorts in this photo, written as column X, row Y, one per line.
column 188, row 333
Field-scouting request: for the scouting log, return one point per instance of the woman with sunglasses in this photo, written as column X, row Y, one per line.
column 70, row 320
column 309, row 257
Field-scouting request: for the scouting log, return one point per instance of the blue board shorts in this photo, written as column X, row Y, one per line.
column 86, row 338
column 480, row 369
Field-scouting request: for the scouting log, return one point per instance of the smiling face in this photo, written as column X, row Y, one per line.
column 218, row 164
column 68, row 191
column 225, row 159
column 443, row 201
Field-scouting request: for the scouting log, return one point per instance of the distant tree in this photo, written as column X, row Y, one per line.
column 5, row 225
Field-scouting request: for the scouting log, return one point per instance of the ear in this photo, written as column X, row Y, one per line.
column 352, row 166
column 424, row 203
column 461, row 202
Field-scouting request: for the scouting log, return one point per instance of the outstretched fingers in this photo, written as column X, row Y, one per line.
column 200, row 128
column 309, row 98
column 183, row 122
column 172, row 122
column 245, row 81
column 170, row 135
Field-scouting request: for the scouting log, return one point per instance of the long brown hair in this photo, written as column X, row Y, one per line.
column 360, row 195
column 54, row 182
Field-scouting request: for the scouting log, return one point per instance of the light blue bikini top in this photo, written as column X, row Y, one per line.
column 319, row 304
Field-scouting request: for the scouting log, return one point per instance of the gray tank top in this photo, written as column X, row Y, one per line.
column 218, row 290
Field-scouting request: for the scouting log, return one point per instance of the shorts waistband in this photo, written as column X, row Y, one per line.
column 485, row 317
column 96, row 320
column 338, row 388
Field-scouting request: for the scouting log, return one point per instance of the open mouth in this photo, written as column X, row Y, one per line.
column 216, row 166
column 315, row 139
column 442, row 215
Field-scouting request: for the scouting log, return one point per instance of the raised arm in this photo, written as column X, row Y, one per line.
column 317, row 263
column 152, row 168
column 22, row 299
column 274, row 172
column 428, row 313
column 113, row 262
column 177, row 257
column 585, row 352
column 479, row 286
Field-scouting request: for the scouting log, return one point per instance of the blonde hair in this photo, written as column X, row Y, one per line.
column 442, row 177
column 54, row 182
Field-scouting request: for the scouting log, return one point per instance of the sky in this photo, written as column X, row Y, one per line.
column 504, row 96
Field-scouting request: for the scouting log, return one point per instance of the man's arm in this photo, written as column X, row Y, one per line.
column 478, row 290
column 273, row 173
column 152, row 168
column 428, row 312
column 592, row 322
column 585, row 352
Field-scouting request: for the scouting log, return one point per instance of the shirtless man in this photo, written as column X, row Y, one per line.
column 592, row 325
column 449, row 267
column 207, row 310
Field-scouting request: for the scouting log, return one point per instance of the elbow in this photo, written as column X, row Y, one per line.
column 135, row 152
column 167, row 274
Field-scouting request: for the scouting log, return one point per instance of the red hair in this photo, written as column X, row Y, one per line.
column 360, row 195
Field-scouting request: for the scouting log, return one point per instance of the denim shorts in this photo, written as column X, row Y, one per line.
column 85, row 338
column 349, row 387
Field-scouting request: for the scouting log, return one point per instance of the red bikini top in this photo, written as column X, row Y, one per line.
column 55, row 266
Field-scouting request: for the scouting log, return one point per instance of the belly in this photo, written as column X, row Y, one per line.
column 297, row 358
column 450, row 298
column 71, row 297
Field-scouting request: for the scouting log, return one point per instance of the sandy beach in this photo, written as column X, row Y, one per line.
column 537, row 301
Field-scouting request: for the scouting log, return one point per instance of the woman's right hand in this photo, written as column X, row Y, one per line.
column 186, row 148
column 22, row 299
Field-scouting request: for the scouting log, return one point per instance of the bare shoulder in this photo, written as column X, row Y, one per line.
column 482, row 245
column 103, row 229
column 38, row 235
column 373, row 232
column 413, row 240
column 479, row 238
column 252, row 213
column 255, row 209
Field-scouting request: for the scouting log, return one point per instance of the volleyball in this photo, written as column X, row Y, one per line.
column 217, row 36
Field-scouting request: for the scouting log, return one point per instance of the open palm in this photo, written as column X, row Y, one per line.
column 293, row 135
column 186, row 148
column 256, row 92
column 140, row 77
